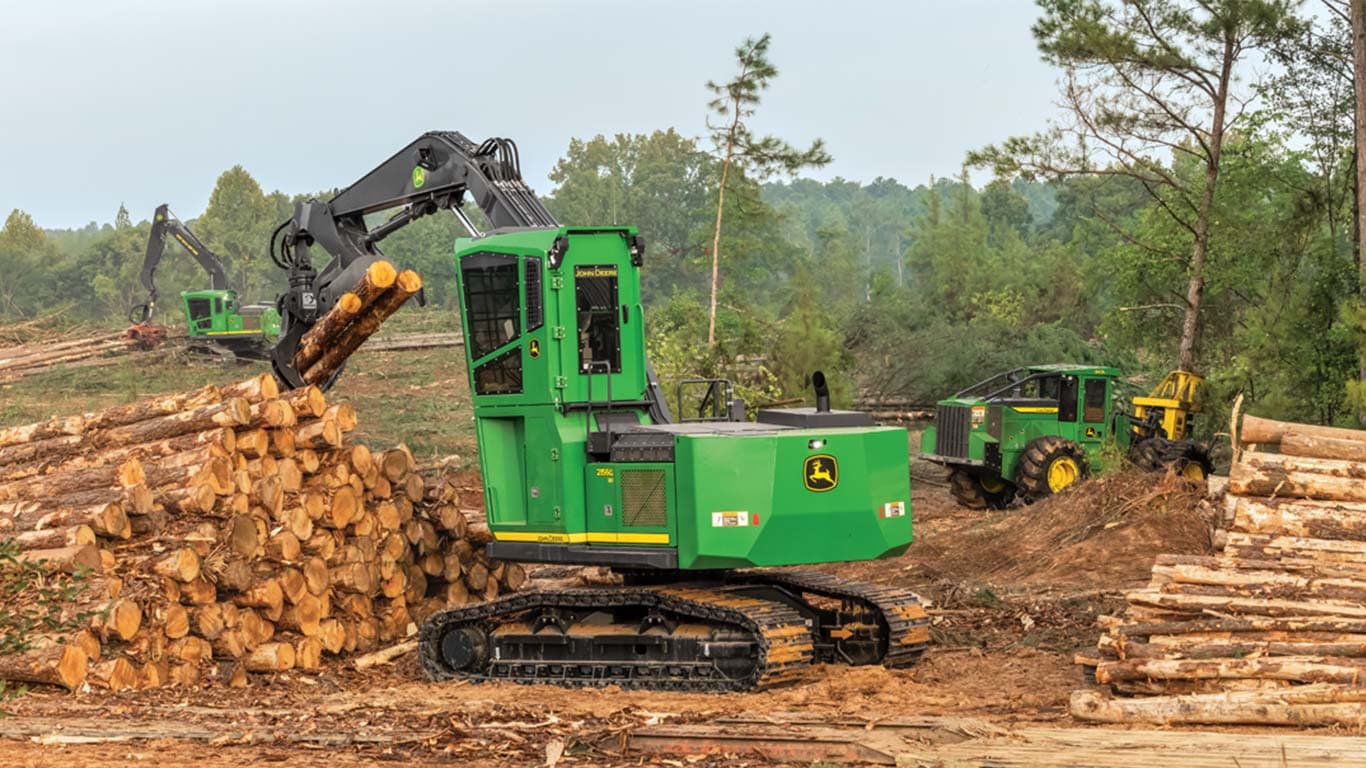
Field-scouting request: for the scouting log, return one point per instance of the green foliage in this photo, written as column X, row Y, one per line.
column 35, row 601
column 1145, row 80
column 237, row 226
column 657, row 182
column 736, row 100
column 744, row 155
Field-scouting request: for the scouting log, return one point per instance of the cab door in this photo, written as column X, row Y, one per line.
column 1095, row 396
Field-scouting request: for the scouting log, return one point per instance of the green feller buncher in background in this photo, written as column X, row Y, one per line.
column 583, row 462
column 216, row 323
column 1032, row 432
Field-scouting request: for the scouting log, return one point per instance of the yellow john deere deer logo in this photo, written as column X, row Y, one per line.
column 821, row 472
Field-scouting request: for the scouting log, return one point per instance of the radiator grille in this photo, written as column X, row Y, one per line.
column 644, row 498
column 952, row 424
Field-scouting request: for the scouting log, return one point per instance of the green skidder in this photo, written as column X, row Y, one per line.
column 1033, row 432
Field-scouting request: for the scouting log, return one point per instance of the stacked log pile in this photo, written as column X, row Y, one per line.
column 1272, row 630
column 23, row 360
column 236, row 529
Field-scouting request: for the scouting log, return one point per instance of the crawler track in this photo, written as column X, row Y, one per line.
column 904, row 627
column 765, row 643
column 749, row 630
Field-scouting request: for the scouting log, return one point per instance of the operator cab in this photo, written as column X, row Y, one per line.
column 208, row 310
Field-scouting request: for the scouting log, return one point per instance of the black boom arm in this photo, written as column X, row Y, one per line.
column 163, row 223
column 435, row 172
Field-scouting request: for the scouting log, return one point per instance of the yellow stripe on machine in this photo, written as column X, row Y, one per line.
column 1035, row 408
column 582, row 538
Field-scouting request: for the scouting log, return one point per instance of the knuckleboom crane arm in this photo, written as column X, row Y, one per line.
column 434, row 172
column 165, row 223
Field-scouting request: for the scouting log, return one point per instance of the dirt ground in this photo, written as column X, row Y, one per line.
column 1012, row 596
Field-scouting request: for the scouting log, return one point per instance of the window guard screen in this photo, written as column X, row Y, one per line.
column 595, row 292
column 535, row 309
column 500, row 376
column 492, row 301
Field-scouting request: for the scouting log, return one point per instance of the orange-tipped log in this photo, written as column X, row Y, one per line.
column 365, row 324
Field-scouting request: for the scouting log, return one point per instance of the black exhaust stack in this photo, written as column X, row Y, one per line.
column 822, row 392
column 820, row 417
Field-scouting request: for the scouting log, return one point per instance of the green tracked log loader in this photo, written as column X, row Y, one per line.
column 583, row 463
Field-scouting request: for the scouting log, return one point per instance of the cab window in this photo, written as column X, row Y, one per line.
column 595, row 293
column 1093, row 409
column 492, row 303
column 500, row 376
column 199, row 309
column 1067, row 398
column 1042, row 388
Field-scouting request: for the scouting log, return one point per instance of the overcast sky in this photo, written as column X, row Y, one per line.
column 142, row 102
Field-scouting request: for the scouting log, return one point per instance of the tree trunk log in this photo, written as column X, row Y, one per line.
column 1303, row 518
column 365, row 324
column 1294, row 477
column 116, row 674
column 1299, row 669
column 43, row 486
column 66, row 559
column 64, row 665
column 1310, row 705
column 1259, row 431
column 259, row 387
column 271, row 657
column 379, row 278
column 307, row 402
column 55, row 538
column 233, row 412
column 112, row 417
column 107, row 519
column 322, row 434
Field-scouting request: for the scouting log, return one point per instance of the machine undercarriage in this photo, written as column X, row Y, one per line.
column 732, row 631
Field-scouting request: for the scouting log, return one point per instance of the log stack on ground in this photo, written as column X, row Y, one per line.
column 1272, row 630
column 237, row 530
column 23, row 360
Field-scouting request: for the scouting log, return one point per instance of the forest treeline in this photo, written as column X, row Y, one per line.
column 909, row 291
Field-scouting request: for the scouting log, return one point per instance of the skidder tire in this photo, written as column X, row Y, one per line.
column 966, row 491
column 1050, row 464
column 1195, row 465
column 1147, row 455
column 1184, row 457
column 975, row 492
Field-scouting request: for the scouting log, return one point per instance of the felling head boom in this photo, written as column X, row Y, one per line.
column 433, row 173
column 165, row 223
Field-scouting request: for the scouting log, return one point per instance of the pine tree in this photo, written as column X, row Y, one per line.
column 762, row 156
